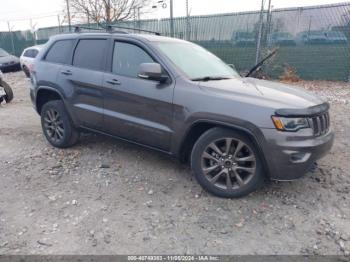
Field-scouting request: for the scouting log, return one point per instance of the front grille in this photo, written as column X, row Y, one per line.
column 320, row 124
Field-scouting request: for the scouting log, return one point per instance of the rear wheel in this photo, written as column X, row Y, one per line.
column 226, row 163
column 57, row 126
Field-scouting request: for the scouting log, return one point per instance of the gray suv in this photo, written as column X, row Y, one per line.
column 176, row 97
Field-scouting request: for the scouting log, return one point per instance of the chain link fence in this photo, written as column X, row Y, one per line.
column 313, row 41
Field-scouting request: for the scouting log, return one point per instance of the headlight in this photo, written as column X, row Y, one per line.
column 289, row 123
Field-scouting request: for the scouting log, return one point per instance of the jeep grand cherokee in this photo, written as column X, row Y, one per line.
column 178, row 98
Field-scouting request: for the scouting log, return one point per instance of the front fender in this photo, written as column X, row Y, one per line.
column 252, row 131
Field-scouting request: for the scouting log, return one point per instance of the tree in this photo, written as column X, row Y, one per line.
column 107, row 11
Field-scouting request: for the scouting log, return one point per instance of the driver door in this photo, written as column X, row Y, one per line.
column 136, row 109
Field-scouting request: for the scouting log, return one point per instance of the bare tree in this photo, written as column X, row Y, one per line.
column 108, row 11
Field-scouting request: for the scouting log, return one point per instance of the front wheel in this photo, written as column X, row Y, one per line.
column 26, row 71
column 57, row 126
column 8, row 91
column 226, row 163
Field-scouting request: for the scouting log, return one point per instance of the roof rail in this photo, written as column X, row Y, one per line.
column 109, row 28
column 77, row 29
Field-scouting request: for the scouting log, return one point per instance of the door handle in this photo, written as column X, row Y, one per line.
column 113, row 82
column 66, row 72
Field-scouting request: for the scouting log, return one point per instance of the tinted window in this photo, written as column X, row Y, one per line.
column 28, row 53
column 31, row 53
column 35, row 53
column 127, row 59
column 89, row 54
column 60, row 52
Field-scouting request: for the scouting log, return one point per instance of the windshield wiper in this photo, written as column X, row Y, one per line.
column 258, row 65
column 210, row 78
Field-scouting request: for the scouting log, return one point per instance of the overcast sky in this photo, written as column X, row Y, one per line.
column 19, row 11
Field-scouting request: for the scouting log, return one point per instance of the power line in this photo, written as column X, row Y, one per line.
column 32, row 17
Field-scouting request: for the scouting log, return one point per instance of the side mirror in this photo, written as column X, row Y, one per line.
column 151, row 71
column 232, row 66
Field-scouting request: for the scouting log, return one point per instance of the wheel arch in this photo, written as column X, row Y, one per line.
column 44, row 95
column 201, row 126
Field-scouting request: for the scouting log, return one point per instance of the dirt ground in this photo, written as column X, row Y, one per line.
column 109, row 197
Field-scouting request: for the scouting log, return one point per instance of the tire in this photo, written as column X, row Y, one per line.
column 227, row 174
column 57, row 125
column 8, row 91
column 26, row 71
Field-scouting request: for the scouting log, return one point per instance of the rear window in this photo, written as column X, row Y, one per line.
column 89, row 54
column 60, row 52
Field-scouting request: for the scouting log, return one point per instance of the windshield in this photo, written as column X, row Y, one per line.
column 3, row 53
column 195, row 61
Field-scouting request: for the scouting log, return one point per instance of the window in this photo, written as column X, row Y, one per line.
column 35, row 53
column 90, row 54
column 195, row 61
column 60, row 52
column 127, row 59
column 28, row 53
column 32, row 53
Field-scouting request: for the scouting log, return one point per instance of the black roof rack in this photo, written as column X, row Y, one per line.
column 78, row 29
column 110, row 29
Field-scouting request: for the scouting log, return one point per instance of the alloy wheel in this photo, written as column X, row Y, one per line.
column 228, row 163
column 54, row 125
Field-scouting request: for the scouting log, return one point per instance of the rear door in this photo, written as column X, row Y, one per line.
column 83, row 81
column 137, row 109
column 57, row 56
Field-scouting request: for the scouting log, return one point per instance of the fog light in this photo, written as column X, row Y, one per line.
column 297, row 157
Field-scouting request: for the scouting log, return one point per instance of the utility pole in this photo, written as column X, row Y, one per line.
column 187, row 22
column 172, row 18
column 310, row 23
column 11, row 35
column 108, row 12
column 68, row 14
column 258, row 44
column 139, row 17
column 59, row 24
column 32, row 29
column 269, row 20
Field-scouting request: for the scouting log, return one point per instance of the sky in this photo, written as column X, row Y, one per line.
column 44, row 12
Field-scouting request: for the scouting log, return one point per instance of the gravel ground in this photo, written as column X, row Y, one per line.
column 108, row 197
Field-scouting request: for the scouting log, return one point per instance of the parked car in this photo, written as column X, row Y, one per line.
column 27, row 58
column 8, row 62
column 243, row 39
column 282, row 39
column 178, row 98
column 6, row 93
column 336, row 37
column 313, row 37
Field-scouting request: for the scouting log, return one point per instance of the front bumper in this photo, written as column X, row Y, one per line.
column 10, row 67
column 290, row 155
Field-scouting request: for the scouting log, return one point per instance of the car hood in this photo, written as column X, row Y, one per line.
column 6, row 59
column 261, row 92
